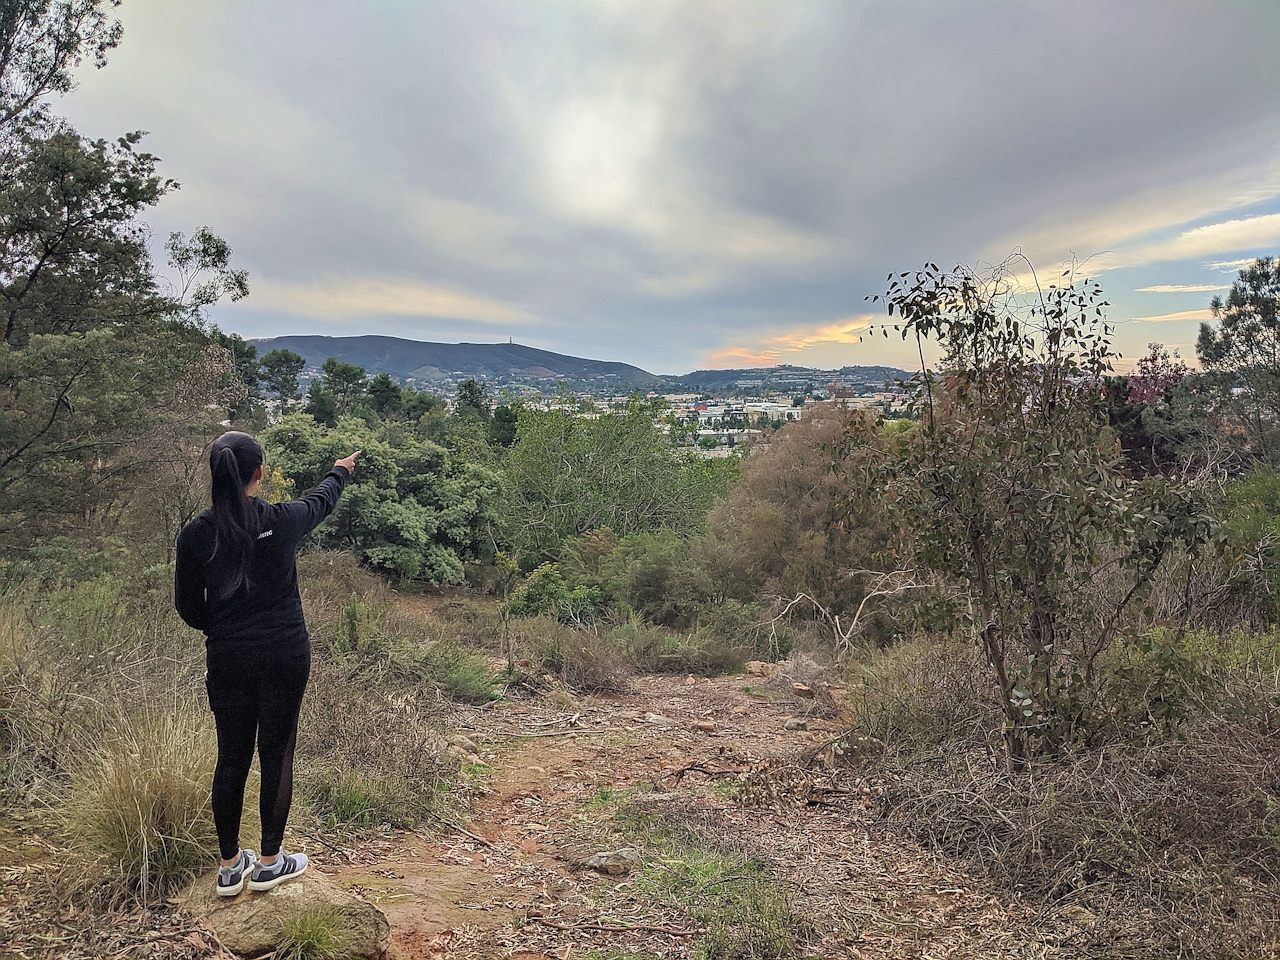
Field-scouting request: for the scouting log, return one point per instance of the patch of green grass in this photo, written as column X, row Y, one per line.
column 353, row 800
column 316, row 934
column 728, row 789
column 745, row 910
column 462, row 675
column 602, row 798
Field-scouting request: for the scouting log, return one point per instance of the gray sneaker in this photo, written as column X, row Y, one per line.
column 288, row 866
column 231, row 879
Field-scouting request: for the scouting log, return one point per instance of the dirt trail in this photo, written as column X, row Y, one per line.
column 518, row 888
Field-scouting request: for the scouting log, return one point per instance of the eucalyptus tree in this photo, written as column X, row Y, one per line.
column 1010, row 491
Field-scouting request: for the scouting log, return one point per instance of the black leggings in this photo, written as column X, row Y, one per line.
column 255, row 697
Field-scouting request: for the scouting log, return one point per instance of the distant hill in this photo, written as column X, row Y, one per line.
column 789, row 379
column 442, row 365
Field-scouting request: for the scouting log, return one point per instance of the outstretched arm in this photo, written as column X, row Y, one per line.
column 308, row 512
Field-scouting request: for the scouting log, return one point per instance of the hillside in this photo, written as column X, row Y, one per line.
column 512, row 364
column 790, row 379
column 442, row 364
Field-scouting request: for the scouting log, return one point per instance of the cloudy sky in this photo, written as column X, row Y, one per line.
column 699, row 182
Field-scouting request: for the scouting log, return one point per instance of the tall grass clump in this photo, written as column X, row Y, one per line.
column 139, row 801
column 319, row 933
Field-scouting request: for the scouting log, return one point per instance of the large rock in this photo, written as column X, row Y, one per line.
column 252, row 924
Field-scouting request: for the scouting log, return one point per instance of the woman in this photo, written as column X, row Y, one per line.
column 237, row 580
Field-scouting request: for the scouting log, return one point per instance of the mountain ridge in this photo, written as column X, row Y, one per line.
column 433, row 364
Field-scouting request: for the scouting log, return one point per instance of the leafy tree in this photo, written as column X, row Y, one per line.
column 415, row 404
column 1155, row 373
column 1243, row 354
column 472, row 400
column 502, row 428
column 568, row 475
column 104, row 375
column 41, row 42
column 204, row 271
column 321, row 404
column 411, row 511
column 385, row 395
column 279, row 371
column 345, row 382
column 90, row 348
column 1010, row 490
column 785, row 528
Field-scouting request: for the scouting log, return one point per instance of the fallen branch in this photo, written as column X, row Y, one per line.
column 462, row 830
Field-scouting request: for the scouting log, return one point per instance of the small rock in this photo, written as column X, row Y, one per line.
column 616, row 863
column 756, row 668
column 690, row 680
column 251, row 924
column 657, row 719
column 465, row 744
column 794, row 723
column 803, row 691
column 706, row 726
column 1079, row 914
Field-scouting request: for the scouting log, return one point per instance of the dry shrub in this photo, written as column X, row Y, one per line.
column 476, row 624
column 139, row 803
column 583, row 659
column 712, row 649
column 919, row 692
column 1172, row 844
column 329, row 581
column 1164, row 822
column 369, row 756
column 801, row 668
column 75, row 661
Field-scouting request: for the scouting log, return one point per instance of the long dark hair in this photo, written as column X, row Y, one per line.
column 233, row 460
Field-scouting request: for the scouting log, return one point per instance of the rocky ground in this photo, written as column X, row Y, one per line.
column 517, row 880
column 563, row 783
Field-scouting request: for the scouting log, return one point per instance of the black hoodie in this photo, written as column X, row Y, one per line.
column 265, row 613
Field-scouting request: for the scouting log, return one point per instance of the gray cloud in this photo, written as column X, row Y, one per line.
column 664, row 182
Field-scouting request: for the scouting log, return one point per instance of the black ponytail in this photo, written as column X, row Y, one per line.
column 234, row 459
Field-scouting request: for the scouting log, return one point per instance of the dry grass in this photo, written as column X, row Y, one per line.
column 1163, row 824
column 139, row 802
column 369, row 755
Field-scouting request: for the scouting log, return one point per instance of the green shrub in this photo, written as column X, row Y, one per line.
column 547, row 592
column 745, row 911
column 351, row 799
